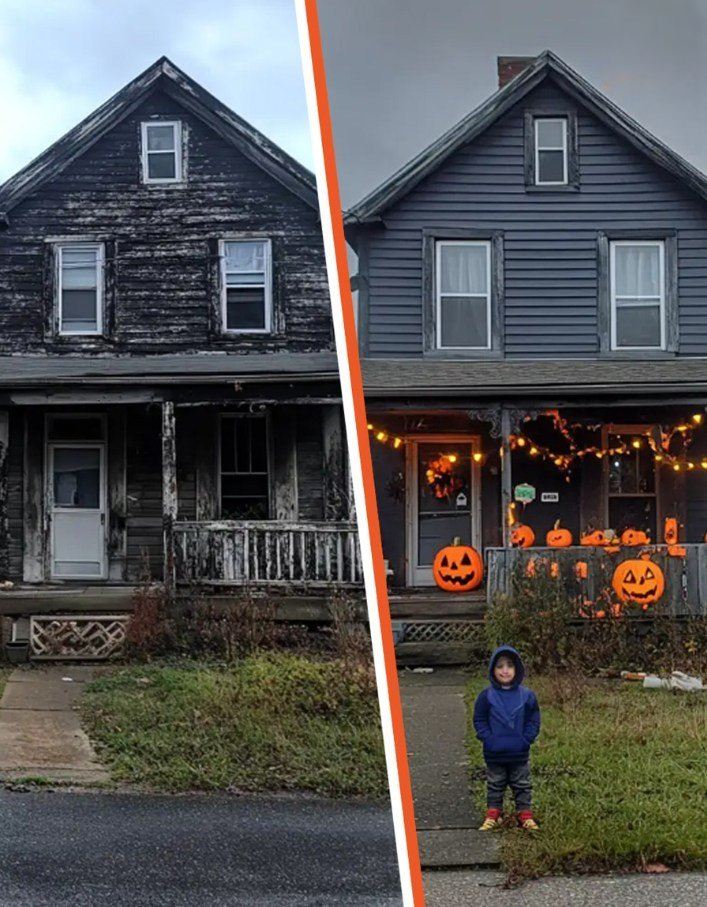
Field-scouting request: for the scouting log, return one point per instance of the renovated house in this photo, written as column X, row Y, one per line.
column 533, row 332
column 170, row 396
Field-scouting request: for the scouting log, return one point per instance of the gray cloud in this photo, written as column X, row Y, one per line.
column 60, row 59
column 400, row 72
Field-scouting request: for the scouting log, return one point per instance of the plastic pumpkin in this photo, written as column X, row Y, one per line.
column 633, row 537
column 522, row 536
column 597, row 537
column 458, row 568
column 558, row 538
column 638, row 580
column 671, row 531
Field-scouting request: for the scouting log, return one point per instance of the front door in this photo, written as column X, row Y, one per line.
column 443, row 500
column 77, row 510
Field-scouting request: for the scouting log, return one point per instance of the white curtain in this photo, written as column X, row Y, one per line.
column 463, row 270
column 637, row 271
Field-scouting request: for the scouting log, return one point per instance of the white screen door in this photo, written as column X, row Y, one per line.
column 440, row 509
column 77, row 510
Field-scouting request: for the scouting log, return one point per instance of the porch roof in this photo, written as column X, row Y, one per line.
column 180, row 368
column 436, row 377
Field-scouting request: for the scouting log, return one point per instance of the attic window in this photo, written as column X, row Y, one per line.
column 162, row 152
column 550, row 151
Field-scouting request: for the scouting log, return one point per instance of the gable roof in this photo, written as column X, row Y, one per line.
column 466, row 130
column 165, row 75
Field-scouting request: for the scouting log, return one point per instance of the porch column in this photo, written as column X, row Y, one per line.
column 33, row 505
column 169, row 491
column 333, row 456
column 4, row 518
column 285, row 494
column 506, row 476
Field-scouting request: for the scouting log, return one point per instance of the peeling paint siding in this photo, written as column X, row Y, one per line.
column 550, row 239
column 14, row 492
column 144, row 480
column 163, row 268
column 310, row 461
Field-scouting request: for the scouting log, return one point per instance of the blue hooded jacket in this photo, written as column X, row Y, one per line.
column 507, row 721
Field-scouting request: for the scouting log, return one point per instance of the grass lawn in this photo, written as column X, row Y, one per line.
column 267, row 723
column 619, row 777
column 5, row 671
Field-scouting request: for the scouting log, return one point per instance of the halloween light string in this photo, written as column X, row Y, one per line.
column 440, row 476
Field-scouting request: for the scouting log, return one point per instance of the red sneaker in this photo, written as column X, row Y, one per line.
column 493, row 819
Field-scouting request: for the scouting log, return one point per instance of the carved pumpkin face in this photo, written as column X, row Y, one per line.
column 638, row 580
column 597, row 537
column 634, row 537
column 558, row 538
column 670, row 533
column 458, row 568
column 522, row 536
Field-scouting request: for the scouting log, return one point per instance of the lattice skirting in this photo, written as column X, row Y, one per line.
column 75, row 637
column 454, row 631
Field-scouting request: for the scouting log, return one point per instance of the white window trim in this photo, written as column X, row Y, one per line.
column 178, row 168
column 538, row 149
column 269, row 454
column 650, row 300
column 267, row 284
column 438, row 294
column 100, row 272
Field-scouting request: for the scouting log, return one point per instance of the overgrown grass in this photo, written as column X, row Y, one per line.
column 269, row 722
column 619, row 775
column 5, row 671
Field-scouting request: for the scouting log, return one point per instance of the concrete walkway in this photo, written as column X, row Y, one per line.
column 435, row 727
column 40, row 730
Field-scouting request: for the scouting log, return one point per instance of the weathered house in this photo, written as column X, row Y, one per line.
column 168, row 383
column 533, row 327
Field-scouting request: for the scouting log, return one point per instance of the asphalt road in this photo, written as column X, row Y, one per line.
column 81, row 849
column 460, row 889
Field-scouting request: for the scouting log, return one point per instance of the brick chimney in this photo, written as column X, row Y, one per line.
column 510, row 67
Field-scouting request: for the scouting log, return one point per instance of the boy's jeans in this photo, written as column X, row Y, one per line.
column 517, row 777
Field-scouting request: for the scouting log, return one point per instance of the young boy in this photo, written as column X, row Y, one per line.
column 507, row 721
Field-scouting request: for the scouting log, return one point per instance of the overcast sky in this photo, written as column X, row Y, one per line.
column 60, row 59
column 400, row 72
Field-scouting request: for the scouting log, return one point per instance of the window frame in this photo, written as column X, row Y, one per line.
column 267, row 285
column 613, row 304
column 430, row 237
column 646, row 430
column 59, row 249
column 571, row 148
column 565, row 150
column 266, row 417
column 439, row 245
column 178, row 152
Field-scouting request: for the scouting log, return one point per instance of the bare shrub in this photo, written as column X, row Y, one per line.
column 146, row 632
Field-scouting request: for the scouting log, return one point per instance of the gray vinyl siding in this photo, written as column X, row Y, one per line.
column 550, row 239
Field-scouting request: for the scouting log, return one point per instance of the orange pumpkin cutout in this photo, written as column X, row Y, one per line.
column 530, row 570
column 597, row 537
column 677, row 551
column 581, row 569
column 558, row 538
column 554, row 569
column 458, row 568
column 638, row 580
column 634, row 537
column 671, row 531
column 522, row 536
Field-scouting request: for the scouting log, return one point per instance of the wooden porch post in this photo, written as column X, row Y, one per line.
column 169, row 491
column 506, row 477
column 335, row 482
column 4, row 518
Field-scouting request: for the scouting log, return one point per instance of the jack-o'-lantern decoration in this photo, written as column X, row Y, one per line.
column 596, row 537
column 557, row 537
column 634, row 537
column 458, row 568
column 581, row 570
column 638, row 580
column 522, row 536
column 671, row 531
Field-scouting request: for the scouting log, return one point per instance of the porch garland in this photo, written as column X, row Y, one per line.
column 439, row 469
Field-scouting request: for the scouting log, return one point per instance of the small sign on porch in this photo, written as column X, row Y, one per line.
column 461, row 499
column 524, row 493
column 549, row 497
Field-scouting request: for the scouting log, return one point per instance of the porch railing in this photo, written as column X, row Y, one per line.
column 267, row 553
column 685, row 577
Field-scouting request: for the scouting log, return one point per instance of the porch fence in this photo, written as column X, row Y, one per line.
column 685, row 577
column 298, row 555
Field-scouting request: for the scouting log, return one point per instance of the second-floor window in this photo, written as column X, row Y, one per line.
column 162, row 151
column 79, row 300
column 550, row 151
column 637, row 287
column 463, row 294
column 246, row 286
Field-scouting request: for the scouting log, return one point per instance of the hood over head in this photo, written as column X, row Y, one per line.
column 517, row 661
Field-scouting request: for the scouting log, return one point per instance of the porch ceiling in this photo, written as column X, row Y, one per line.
column 513, row 377
column 182, row 368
